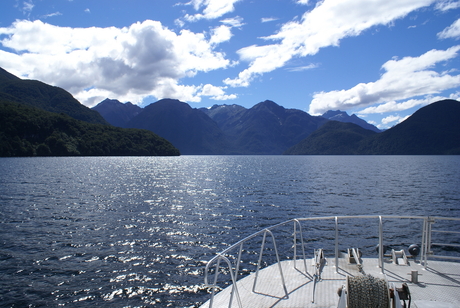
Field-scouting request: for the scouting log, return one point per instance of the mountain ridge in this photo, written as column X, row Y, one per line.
column 35, row 93
column 342, row 116
column 117, row 113
column 55, row 124
column 189, row 129
column 270, row 129
column 265, row 129
column 431, row 130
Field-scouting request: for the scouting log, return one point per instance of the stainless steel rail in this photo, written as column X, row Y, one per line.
column 234, row 270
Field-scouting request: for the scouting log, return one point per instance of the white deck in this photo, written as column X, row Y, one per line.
column 438, row 286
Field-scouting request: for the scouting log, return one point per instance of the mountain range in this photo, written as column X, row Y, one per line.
column 432, row 130
column 270, row 129
column 37, row 119
column 266, row 128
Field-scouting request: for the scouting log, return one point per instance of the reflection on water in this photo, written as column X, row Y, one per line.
column 119, row 231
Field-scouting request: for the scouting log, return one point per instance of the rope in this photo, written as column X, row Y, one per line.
column 367, row 292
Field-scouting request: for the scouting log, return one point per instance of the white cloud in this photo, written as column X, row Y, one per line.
column 303, row 68
column 28, row 6
column 323, row 26
column 87, row 10
column 235, row 22
column 216, row 93
column 212, row 9
column 394, row 106
column 403, row 79
column 390, row 119
column 220, row 34
column 129, row 63
column 453, row 31
column 446, row 5
column 268, row 19
column 52, row 15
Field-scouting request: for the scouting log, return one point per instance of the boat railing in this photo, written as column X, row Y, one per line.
column 235, row 251
column 428, row 235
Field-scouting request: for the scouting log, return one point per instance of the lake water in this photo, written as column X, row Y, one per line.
column 135, row 231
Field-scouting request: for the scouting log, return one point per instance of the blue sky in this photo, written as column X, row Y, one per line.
column 379, row 59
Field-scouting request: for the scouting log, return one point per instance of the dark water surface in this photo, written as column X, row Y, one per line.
column 133, row 232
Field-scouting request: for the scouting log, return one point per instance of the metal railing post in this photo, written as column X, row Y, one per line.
column 213, row 292
column 302, row 245
column 381, row 263
column 424, row 230
column 336, row 244
column 278, row 262
column 260, row 260
column 428, row 251
column 295, row 244
column 237, row 269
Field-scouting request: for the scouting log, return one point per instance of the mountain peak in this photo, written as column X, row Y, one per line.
column 5, row 75
column 117, row 113
column 332, row 113
column 269, row 105
column 342, row 116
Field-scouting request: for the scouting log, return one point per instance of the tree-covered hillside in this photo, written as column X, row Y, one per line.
column 41, row 95
column 29, row 131
column 333, row 138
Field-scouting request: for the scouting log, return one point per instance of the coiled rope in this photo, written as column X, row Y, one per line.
column 367, row 292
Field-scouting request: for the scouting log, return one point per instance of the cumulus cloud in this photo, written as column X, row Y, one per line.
column 393, row 118
column 212, row 9
column 216, row 93
column 394, row 106
column 128, row 63
column 323, row 26
column 405, row 78
column 453, row 31
column 220, row 34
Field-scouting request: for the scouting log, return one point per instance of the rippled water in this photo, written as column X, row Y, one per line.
column 127, row 232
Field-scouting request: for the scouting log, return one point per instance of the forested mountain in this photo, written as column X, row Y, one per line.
column 333, row 138
column 41, row 95
column 28, row 128
column 432, row 130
